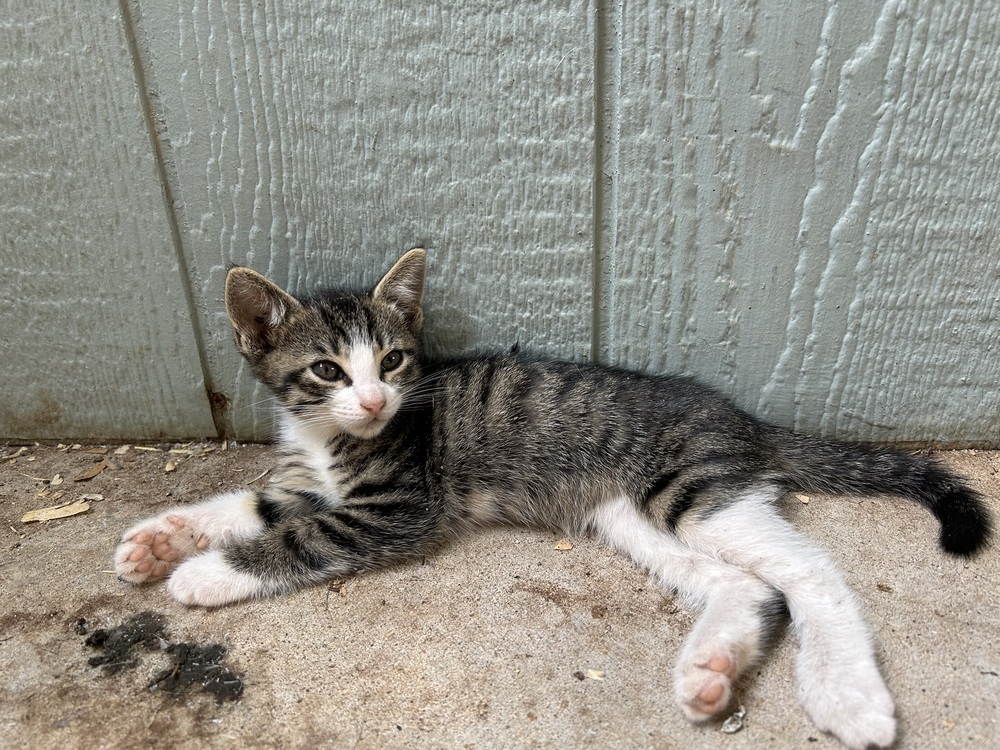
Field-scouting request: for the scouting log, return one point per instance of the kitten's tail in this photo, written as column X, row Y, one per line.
column 810, row 464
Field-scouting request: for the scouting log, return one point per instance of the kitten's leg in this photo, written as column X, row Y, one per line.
column 839, row 682
column 294, row 552
column 740, row 612
column 741, row 618
column 155, row 546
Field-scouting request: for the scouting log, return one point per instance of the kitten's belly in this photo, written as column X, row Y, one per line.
column 560, row 509
column 482, row 508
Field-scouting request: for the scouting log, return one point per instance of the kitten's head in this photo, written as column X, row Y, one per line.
column 338, row 361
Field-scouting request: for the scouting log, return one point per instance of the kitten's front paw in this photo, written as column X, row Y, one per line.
column 853, row 704
column 152, row 548
column 209, row 581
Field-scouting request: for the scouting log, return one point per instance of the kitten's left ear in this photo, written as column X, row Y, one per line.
column 403, row 287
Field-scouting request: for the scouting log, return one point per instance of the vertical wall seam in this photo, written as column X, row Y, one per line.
column 607, row 146
column 139, row 65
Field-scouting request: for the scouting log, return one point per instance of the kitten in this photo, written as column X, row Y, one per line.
column 383, row 457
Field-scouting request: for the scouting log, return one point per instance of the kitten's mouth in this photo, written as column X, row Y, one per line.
column 371, row 425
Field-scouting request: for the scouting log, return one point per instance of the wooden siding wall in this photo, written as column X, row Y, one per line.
column 796, row 202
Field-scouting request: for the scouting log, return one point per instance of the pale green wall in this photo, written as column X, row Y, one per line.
column 796, row 202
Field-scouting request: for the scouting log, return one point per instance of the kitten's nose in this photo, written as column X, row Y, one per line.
column 373, row 404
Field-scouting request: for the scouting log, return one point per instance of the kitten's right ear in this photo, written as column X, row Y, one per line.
column 257, row 309
column 403, row 286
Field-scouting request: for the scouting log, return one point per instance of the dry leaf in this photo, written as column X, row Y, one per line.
column 91, row 496
column 181, row 451
column 564, row 544
column 18, row 453
column 92, row 472
column 147, row 448
column 58, row 511
column 804, row 499
column 594, row 674
column 56, row 480
column 170, row 466
column 122, row 450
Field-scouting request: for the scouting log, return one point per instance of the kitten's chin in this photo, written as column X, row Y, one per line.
column 369, row 429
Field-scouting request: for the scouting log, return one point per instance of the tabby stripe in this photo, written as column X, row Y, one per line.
column 661, row 483
column 488, row 377
column 337, row 334
column 372, row 489
column 310, row 386
column 317, row 502
column 374, row 335
column 566, row 388
column 269, row 511
column 390, row 509
column 334, row 534
column 299, row 406
column 359, row 525
column 687, row 496
column 302, row 551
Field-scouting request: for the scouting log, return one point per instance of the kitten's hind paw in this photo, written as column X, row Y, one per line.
column 853, row 704
column 152, row 548
column 705, row 689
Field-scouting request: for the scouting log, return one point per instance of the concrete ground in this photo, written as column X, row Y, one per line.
column 501, row 641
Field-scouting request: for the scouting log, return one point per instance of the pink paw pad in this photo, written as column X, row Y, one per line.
column 705, row 688
column 153, row 550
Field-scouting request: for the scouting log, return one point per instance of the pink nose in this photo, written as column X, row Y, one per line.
column 373, row 404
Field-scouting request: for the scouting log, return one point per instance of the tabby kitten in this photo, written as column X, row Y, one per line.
column 383, row 457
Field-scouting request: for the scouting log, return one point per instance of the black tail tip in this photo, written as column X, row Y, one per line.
column 966, row 525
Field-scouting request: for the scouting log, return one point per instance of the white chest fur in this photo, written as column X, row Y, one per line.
column 312, row 450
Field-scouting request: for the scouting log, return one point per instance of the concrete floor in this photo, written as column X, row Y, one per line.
column 500, row 641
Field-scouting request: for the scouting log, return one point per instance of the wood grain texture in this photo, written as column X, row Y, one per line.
column 97, row 338
column 796, row 202
column 316, row 142
column 802, row 210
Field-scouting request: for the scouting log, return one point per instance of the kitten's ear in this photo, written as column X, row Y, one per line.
column 403, row 287
column 257, row 309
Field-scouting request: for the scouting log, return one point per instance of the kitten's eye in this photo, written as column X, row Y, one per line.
column 392, row 360
column 327, row 370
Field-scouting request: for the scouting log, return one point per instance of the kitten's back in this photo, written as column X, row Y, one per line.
column 543, row 443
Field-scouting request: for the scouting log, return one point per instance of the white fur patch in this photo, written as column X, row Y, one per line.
column 207, row 580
